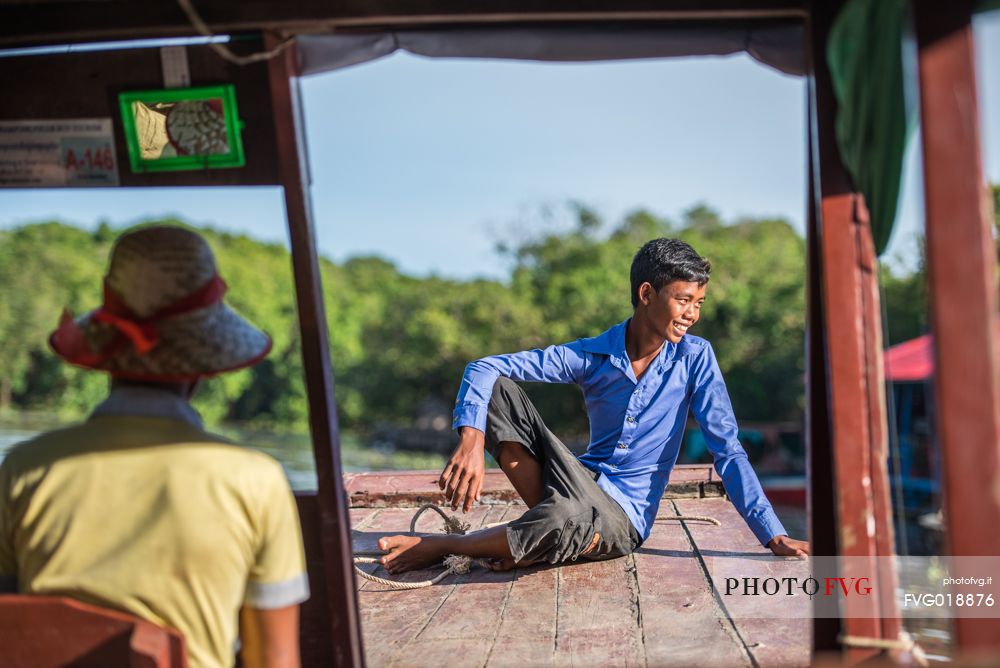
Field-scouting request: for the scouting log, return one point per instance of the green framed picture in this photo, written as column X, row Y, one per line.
column 182, row 128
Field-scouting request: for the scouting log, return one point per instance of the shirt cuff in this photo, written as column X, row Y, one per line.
column 766, row 526
column 470, row 415
column 271, row 595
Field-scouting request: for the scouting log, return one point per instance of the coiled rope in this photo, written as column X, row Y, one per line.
column 457, row 564
column 460, row 564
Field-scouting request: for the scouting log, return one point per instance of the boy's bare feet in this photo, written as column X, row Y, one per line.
column 408, row 553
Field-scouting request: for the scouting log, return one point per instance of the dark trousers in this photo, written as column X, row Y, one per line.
column 573, row 508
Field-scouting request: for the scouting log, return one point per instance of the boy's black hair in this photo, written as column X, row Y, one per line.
column 662, row 261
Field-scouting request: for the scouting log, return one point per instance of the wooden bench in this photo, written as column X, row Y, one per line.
column 52, row 631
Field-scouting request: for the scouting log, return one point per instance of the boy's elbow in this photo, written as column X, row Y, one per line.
column 726, row 457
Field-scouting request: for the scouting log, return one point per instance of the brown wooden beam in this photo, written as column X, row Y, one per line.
column 86, row 85
column 821, row 495
column 852, row 338
column 74, row 21
column 334, row 520
column 962, row 268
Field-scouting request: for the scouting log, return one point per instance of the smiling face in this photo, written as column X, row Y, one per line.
column 673, row 309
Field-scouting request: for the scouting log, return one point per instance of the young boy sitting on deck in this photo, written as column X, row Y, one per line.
column 138, row 508
column 639, row 379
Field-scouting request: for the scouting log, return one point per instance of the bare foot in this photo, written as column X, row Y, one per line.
column 408, row 553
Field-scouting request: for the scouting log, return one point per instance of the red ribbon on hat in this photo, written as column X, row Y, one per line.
column 68, row 339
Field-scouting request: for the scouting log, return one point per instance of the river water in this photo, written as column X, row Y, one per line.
column 293, row 451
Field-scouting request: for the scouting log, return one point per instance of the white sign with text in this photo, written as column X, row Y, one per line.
column 60, row 153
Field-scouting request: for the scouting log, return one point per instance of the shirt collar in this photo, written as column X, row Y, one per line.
column 146, row 401
column 612, row 344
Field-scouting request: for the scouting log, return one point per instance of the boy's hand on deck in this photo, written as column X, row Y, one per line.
column 462, row 479
column 783, row 546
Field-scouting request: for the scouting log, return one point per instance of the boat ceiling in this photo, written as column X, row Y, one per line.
column 45, row 22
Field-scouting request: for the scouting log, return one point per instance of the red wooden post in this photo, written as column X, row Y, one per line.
column 853, row 372
column 334, row 520
column 963, row 292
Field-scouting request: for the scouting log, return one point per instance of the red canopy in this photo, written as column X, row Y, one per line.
column 913, row 360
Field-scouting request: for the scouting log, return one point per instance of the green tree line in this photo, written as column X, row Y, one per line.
column 398, row 341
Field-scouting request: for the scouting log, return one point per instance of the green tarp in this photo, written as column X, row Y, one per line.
column 864, row 53
column 874, row 120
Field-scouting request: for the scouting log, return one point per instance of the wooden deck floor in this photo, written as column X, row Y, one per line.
column 653, row 608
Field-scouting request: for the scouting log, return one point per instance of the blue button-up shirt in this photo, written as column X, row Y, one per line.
column 636, row 425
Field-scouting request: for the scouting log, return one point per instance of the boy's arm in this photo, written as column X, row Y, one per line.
column 270, row 638
column 714, row 412
column 462, row 477
column 277, row 582
column 556, row 364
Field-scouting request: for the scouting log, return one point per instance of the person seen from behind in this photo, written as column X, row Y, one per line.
column 140, row 509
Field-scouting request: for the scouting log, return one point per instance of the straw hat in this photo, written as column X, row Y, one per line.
column 163, row 317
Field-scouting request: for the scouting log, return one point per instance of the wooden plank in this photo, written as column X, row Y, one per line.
column 960, row 256
column 397, row 489
column 415, row 488
column 598, row 608
column 333, row 521
column 390, row 619
column 58, row 631
column 444, row 652
column 393, row 620
column 473, row 615
column 772, row 640
column 526, row 631
column 690, row 482
column 733, row 536
column 691, row 473
column 34, row 23
column 654, row 608
column 682, row 623
column 361, row 516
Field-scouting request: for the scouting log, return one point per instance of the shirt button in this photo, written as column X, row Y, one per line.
column 630, row 419
column 622, row 446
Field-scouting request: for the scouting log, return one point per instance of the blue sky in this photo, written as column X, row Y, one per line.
column 430, row 163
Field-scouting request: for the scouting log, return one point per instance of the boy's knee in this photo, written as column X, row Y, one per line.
column 504, row 390
column 504, row 384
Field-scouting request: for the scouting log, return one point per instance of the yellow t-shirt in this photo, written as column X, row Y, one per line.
column 157, row 518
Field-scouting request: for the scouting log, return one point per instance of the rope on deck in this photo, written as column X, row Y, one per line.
column 460, row 564
column 457, row 564
column 905, row 643
column 689, row 518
